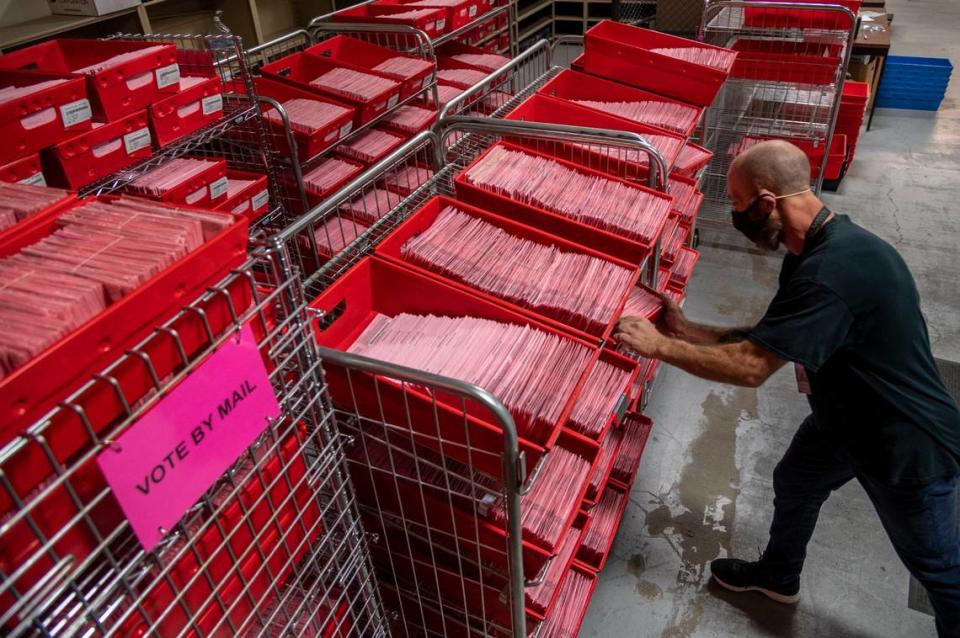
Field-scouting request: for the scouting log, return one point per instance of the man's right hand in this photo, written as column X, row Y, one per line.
column 672, row 322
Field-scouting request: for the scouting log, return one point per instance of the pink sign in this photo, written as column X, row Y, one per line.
column 166, row 460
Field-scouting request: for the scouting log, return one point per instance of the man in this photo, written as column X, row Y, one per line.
column 847, row 314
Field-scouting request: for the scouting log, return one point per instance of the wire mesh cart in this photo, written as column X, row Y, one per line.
column 786, row 84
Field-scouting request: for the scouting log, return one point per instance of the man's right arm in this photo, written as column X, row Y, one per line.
column 674, row 323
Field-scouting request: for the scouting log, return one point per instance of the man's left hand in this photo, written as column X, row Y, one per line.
column 639, row 335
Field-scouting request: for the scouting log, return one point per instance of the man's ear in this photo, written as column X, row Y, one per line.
column 766, row 202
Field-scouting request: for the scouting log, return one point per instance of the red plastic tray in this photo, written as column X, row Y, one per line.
column 26, row 170
column 692, row 159
column 377, row 286
column 836, row 157
column 114, row 92
column 311, row 145
column 174, row 117
column 10, row 237
column 678, row 283
column 627, row 250
column 252, row 201
column 93, row 155
column 315, row 198
column 43, row 118
column 199, row 190
column 67, row 435
column 32, row 389
column 646, row 426
column 594, row 562
column 622, row 52
column 425, row 216
column 573, row 85
column 542, row 108
column 299, row 69
column 783, row 18
column 363, row 55
column 794, row 62
column 455, row 47
column 461, row 13
column 433, row 24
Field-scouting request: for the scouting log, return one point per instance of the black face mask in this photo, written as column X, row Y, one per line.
column 743, row 220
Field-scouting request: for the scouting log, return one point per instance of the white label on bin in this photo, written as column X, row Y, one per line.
column 473, row 10
column 345, row 129
column 137, row 140
column 34, row 180
column 392, row 102
column 75, row 112
column 241, row 208
column 196, row 195
column 261, row 199
column 212, row 104
column 168, row 75
column 442, row 22
column 426, row 82
column 218, row 188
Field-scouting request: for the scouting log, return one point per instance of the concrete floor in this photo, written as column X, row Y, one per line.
column 704, row 488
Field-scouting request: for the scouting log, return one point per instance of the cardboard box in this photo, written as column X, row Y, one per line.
column 89, row 7
column 863, row 70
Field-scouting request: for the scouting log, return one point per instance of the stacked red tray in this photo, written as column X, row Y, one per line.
column 38, row 110
column 853, row 105
column 198, row 104
column 123, row 76
column 684, row 69
column 792, row 62
column 413, row 72
column 369, row 92
column 247, row 194
column 430, row 20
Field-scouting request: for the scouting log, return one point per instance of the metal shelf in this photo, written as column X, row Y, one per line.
column 529, row 11
column 536, row 26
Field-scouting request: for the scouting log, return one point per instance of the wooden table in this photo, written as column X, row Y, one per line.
column 875, row 42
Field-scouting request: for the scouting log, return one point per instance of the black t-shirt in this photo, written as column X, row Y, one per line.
column 848, row 311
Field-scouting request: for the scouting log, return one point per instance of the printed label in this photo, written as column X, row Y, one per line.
column 345, row 129
column 165, row 461
column 426, row 82
column 442, row 22
column 473, row 10
column 197, row 195
column 136, row 140
column 392, row 102
column 168, row 75
column 75, row 112
column 241, row 208
column 218, row 188
column 261, row 199
column 34, row 180
column 212, row 104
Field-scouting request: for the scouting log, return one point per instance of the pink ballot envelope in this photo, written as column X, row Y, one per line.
column 166, row 460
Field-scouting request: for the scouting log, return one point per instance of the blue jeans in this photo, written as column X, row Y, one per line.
column 920, row 520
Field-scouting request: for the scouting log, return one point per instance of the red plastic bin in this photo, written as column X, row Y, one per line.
column 299, row 69
column 642, row 426
column 542, row 108
column 9, row 237
column 793, row 62
column 623, row 52
column 314, row 197
column 116, row 91
column 586, row 556
column 250, row 201
column 692, row 158
column 573, row 85
column 377, row 286
column 627, row 250
column 426, row 215
column 836, row 157
column 206, row 189
column 433, row 22
column 33, row 389
column 90, row 156
column 458, row 12
column 363, row 55
column 454, row 47
column 795, row 18
column 26, row 170
column 44, row 117
column 682, row 269
column 188, row 111
column 308, row 145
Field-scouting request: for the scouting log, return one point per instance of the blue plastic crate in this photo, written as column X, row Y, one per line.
column 914, row 83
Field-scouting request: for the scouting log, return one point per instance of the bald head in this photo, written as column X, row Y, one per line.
column 775, row 165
